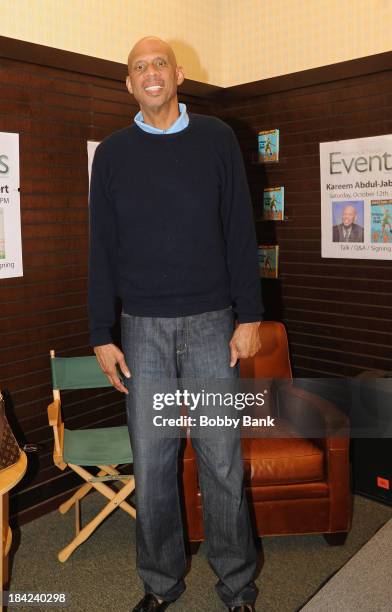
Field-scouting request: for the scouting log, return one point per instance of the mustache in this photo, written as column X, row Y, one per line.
column 149, row 83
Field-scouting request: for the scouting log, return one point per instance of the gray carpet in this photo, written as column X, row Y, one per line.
column 101, row 576
column 369, row 576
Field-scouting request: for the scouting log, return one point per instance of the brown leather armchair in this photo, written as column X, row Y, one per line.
column 295, row 484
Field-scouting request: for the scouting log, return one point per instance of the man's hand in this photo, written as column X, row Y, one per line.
column 245, row 342
column 108, row 356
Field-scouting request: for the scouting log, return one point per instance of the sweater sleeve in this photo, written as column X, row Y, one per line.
column 240, row 236
column 102, row 255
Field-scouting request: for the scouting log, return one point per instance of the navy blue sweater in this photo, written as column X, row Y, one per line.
column 171, row 226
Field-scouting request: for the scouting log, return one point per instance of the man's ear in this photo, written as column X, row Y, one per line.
column 180, row 75
column 129, row 84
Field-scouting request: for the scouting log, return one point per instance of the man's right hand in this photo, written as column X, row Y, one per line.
column 108, row 356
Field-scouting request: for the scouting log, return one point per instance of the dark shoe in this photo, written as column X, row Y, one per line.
column 149, row 603
column 244, row 608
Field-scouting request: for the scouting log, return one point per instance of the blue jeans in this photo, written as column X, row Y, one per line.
column 187, row 347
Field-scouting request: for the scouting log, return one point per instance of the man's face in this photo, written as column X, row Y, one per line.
column 153, row 74
column 349, row 216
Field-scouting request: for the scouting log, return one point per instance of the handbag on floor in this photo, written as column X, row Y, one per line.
column 9, row 448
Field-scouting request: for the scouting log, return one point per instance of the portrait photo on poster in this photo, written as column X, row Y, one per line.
column 347, row 221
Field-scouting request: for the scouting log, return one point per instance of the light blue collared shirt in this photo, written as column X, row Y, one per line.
column 180, row 123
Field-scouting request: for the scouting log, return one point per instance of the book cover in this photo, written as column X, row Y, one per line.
column 273, row 203
column 269, row 260
column 268, row 146
column 381, row 221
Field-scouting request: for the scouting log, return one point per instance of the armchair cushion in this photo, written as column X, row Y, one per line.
column 285, row 460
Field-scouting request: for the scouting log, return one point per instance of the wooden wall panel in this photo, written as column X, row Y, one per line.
column 55, row 109
column 337, row 311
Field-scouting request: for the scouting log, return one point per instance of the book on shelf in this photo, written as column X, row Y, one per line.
column 268, row 260
column 273, row 204
column 268, row 146
column 381, row 221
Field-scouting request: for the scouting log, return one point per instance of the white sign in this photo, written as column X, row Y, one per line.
column 10, row 235
column 356, row 198
column 91, row 146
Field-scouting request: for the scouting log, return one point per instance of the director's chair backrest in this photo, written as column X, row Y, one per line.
column 70, row 373
column 76, row 373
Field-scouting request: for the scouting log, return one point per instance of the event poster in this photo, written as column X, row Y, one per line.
column 11, row 264
column 356, row 198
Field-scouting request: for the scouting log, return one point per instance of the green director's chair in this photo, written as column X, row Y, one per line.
column 105, row 448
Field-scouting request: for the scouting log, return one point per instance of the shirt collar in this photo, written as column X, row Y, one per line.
column 180, row 123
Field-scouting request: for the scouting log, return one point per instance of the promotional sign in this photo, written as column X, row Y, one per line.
column 10, row 234
column 356, row 198
column 91, row 146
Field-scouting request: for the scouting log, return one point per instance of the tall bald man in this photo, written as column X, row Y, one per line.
column 172, row 235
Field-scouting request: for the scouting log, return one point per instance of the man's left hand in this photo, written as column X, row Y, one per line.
column 245, row 342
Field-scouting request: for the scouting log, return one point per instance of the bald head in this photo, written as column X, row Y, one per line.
column 147, row 44
column 349, row 215
column 153, row 79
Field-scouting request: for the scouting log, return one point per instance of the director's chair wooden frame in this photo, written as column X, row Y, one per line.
column 105, row 448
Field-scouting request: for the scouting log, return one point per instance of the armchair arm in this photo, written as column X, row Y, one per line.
column 307, row 412
column 314, row 417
